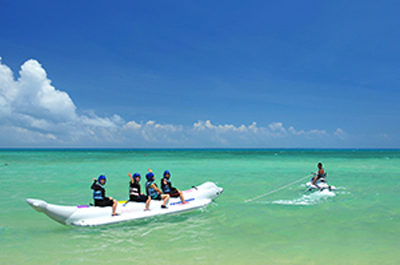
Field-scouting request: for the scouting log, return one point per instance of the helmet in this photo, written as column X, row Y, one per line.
column 166, row 172
column 149, row 176
column 102, row 177
column 136, row 175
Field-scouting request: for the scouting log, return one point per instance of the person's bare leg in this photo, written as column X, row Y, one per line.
column 114, row 207
column 147, row 203
column 181, row 196
column 165, row 198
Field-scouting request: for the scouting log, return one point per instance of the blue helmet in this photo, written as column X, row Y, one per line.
column 149, row 176
column 136, row 175
column 102, row 177
column 166, row 172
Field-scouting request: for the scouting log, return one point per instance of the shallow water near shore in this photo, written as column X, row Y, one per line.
column 357, row 224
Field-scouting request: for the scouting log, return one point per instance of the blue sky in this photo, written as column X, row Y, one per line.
column 191, row 73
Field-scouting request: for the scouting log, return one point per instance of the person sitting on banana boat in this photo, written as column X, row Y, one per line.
column 99, row 195
column 154, row 192
column 166, row 187
column 134, row 191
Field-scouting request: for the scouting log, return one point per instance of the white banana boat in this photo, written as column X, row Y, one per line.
column 86, row 215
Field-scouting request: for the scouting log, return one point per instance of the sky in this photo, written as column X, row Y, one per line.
column 200, row 74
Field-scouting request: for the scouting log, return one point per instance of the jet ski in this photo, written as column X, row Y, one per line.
column 86, row 215
column 321, row 184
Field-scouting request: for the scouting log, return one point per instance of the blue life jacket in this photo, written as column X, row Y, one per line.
column 97, row 194
column 150, row 191
column 166, row 188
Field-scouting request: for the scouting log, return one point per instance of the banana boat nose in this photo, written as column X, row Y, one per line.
column 38, row 205
column 59, row 213
column 218, row 191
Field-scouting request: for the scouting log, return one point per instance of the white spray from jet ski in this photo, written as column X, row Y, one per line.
column 307, row 199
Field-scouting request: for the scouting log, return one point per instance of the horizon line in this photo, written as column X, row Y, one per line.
column 193, row 148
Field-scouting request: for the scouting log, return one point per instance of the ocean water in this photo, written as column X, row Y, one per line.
column 357, row 224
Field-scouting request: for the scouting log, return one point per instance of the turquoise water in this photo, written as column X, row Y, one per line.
column 359, row 224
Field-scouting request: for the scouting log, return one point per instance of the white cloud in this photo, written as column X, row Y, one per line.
column 33, row 112
column 207, row 125
column 132, row 125
column 95, row 121
column 317, row 132
column 253, row 134
column 293, row 131
column 31, row 106
column 34, row 94
column 340, row 133
column 277, row 126
column 153, row 132
column 277, row 129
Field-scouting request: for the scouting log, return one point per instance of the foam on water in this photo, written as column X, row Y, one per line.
column 308, row 199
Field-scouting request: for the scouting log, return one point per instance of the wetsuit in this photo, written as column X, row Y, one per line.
column 134, row 192
column 168, row 189
column 99, row 195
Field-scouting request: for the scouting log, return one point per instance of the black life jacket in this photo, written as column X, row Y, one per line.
column 134, row 189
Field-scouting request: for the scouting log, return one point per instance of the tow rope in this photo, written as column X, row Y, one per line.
column 276, row 190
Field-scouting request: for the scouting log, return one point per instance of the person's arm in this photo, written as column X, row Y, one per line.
column 314, row 179
column 94, row 184
column 316, row 176
column 154, row 186
column 163, row 183
column 130, row 176
column 140, row 190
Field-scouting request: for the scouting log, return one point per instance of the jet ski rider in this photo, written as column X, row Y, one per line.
column 321, row 174
column 167, row 188
column 154, row 192
column 99, row 195
column 134, row 191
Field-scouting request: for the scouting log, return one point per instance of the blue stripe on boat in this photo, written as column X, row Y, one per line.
column 188, row 200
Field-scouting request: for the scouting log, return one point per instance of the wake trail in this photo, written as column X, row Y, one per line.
column 307, row 199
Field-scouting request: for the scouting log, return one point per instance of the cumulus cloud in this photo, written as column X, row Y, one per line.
column 293, row 131
column 32, row 108
column 33, row 112
column 207, row 125
column 153, row 132
column 253, row 134
column 340, row 133
column 33, row 94
column 132, row 125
